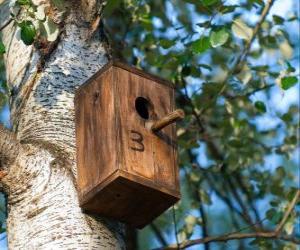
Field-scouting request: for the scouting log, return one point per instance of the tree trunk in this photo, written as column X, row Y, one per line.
column 38, row 159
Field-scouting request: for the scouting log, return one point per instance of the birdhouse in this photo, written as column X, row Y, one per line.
column 126, row 145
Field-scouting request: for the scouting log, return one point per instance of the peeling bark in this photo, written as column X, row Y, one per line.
column 41, row 171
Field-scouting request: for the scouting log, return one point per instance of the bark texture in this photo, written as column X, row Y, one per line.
column 40, row 178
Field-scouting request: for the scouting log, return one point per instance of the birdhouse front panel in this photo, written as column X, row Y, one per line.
column 126, row 169
column 144, row 153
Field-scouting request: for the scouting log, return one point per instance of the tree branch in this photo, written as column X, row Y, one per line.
column 288, row 212
column 239, row 62
column 238, row 178
column 9, row 146
column 231, row 97
column 198, row 198
column 232, row 236
column 158, row 234
column 276, row 234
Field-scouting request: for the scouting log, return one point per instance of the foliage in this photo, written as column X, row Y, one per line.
column 237, row 143
column 33, row 22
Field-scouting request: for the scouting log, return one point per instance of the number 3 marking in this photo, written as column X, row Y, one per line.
column 137, row 138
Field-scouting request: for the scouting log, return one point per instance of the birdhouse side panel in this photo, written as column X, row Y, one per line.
column 164, row 141
column 96, row 133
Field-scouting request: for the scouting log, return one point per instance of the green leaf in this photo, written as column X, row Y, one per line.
column 204, row 196
column 218, row 38
column 290, row 68
column 260, row 2
column 289, row 227
column 241, row 30
column 278, row 19
column 286, row 49
column 2, row 48
column 288, row 82
column 28, row 32
column 24, row 2
column 209, row 2
column 260, row 106
column 228, row 8
column 274, row 215
column 201, row 45
column 292, row 140
column 186, row 70
column 287, row 117
column 190, row 220
column 166, row 44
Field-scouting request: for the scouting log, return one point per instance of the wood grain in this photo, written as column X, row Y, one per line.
column 167, row 120
column 125, row 171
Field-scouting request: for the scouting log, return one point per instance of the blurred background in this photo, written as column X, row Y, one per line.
column 239, row 144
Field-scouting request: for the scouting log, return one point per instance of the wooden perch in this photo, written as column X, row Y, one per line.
column 167, row 120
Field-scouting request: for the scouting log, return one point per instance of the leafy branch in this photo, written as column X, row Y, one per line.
column 241, row 59
column 276, row 234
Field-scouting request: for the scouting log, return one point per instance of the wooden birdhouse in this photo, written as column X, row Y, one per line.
column 126, row 145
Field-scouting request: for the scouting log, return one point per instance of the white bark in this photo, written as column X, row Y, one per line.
column 41, row 181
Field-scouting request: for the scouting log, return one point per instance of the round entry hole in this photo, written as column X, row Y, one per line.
column 142, row 107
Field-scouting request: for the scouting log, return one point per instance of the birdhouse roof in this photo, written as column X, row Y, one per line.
column 134, row 70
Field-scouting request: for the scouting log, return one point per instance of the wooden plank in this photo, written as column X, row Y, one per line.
column 129, row 201
column 96, row 150
column 136, row 138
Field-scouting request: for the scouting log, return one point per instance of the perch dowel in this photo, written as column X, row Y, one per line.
column 167, row 120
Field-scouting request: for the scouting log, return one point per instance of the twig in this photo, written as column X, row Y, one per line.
column 158, row 234
column 204, row 222
column 238, row 178
column 233, row 236
column 223, row 197
column 198, row 198
column 242, row 57
column 231, row 97
column 175, row 228
column 255, row 31
column 238, row 198
column 288, row 212
column 276, row 234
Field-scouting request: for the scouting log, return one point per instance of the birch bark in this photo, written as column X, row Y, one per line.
column 38, row 162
